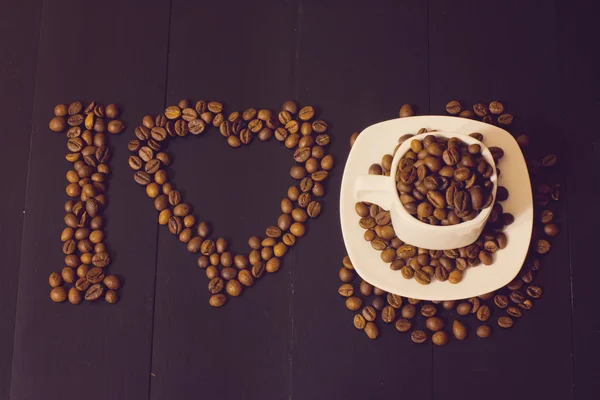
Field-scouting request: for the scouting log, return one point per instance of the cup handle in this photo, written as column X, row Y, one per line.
column 376, row 189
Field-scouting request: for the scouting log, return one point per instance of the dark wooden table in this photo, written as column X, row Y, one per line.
column 290, row 337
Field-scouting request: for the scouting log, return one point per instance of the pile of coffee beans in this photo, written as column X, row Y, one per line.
column 298, row 130
column 425, row 265
column 444, row 182
column 445, row 319
column 85, row 272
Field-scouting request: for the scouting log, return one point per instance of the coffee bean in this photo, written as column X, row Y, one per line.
column 114, row 126
column 505, row 119
column 453, row 107
column 371, row 330
column 418, row 337
column 480, row 109
column 505, row 322
column 514, row 312
column 496, row 107
column 440, row 338
column 346, row 290
column 484, row 331
column 388, row 314
column 359, row 321
column 408, row 311
column 542, row 246
column 434, row 324
column 406, row 111
column 463, row 308
column 58, row 294
column 403, row 325
column 94, row 292
column 534, row 292
column 551, row 230
column 459, row 330
column 353, row 303
column 217, row 300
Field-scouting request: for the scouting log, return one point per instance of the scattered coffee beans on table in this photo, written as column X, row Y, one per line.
column 506, row 305
column 85, row 273
column 297, row 128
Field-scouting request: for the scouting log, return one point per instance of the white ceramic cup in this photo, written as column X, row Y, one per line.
column 381, row 190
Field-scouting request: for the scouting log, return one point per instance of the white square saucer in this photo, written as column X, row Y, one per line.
column 380, row 139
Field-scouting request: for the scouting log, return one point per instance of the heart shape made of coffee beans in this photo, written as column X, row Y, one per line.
column 299, row 131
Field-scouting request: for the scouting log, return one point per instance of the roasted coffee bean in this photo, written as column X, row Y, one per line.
column 403, row 325
column 514, row 312
column 359, row 321
column 371, row 330
column 418, row 337
column 434, row 324
column 217, row 300
column 505, row 322
column 94, row 292
column 428, row 310
column 464, row 308
column 346, row 290
column 453, row 107
column 501, row 301
column 542, row 246
column 496, row 107
column 459, row 330
column 480, row 109
column 483, row 331
column 534, row 292
column 408, row 311
column 388, row 314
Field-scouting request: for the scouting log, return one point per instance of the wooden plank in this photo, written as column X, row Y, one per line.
column 17, row 69
column 580, row 63
column 109, row 52
column 358, row 62
column 481, row 51
column 243, row 56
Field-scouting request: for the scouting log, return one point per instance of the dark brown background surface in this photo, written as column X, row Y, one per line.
column 290, row 337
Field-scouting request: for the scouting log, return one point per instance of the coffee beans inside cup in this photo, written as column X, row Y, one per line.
column 444, row 182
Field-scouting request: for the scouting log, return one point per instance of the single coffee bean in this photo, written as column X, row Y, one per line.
column 440, row 338
column 459, row 330
column 408, row 311
column 505, row 322
column 406, row 111
column 514, row 312
column 403, row 325
column 453, row 107
column 94, row 292
column 434, row 324
column 418, row 336
column 496, row 107
column 480, row 109
column 505, row 119
column 542, row 246
column 551, row 230
column 388, row 314
column 393, row 300
column 463, row 308
column 501, row 301
column 359, row 321
column 484, row 331
column 58, row 294
column 217, row 300
column 483, row 314
column 534, row 292
column 371, row 330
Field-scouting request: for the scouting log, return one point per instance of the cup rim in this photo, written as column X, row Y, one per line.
column 483, row 214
